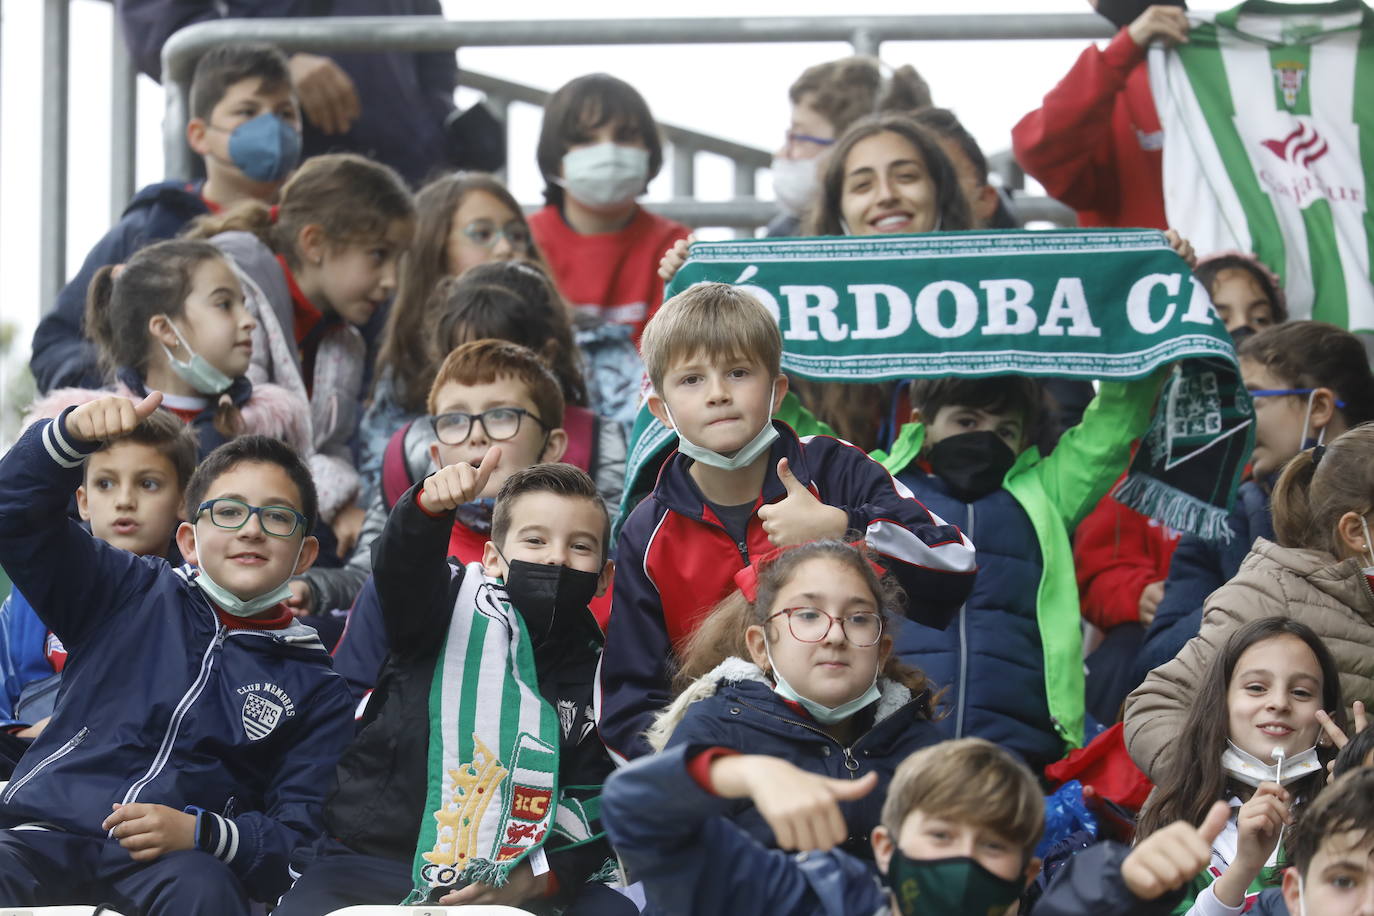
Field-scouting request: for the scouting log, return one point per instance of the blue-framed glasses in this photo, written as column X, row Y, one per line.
column 1284, row 392
column 232, row 514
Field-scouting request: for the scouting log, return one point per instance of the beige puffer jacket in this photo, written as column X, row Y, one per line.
column 1332, row 597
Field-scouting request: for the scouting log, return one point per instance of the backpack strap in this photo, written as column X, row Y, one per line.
column 395, row 475
column 580, row 425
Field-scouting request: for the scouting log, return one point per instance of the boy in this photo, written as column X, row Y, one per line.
column 245, row 123
column 545, row 559
column 198, row 720
column 741, row 485
column 957, row 838
column 131, row 495
column 1013, row 667
column 479, row 376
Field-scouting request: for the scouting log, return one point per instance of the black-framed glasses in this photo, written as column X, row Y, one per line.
column 499, row 424
column 811, row 624
column 486, row 233
column 232, row 514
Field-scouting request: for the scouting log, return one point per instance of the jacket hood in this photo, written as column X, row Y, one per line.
column 892, row 696
column 1343, row 580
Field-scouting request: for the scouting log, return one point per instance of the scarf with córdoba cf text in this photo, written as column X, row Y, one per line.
column 1091, row 304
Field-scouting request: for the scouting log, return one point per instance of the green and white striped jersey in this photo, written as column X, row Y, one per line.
column 1268, row 117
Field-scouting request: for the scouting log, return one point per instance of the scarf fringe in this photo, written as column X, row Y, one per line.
column 1173, row 507
column 608, row 873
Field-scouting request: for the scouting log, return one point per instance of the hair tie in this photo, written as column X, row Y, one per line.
column 1317, row 455
column 273, row 212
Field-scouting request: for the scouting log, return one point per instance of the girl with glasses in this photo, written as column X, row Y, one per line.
column 798, row 664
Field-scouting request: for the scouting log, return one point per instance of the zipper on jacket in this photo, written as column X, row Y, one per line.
column 850, row 764
column 963, row 650
column 55, row 756
column 164, row 752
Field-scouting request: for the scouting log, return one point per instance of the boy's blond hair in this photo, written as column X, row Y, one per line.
column 972, row 781
column 715, row 319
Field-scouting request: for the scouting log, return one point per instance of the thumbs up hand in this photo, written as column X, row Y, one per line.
column 111, row 417
column 1169, row 858
column 799, row 516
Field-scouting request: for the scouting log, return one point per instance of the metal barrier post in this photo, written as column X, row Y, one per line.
column 684, row 171
column 53, row 192
column 123, row 122
column 744, row 188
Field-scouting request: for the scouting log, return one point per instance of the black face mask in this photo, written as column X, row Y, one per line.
column 552, row 599
column 971, row 464
column 1240, row 334
column 1122, row 13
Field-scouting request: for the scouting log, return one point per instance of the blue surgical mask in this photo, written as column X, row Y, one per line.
column 826, row 715
column 233, row 604
column 265, row 148
column 740, row 459
column 196, row 372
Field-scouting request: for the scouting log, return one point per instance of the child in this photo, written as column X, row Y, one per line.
column 598, row 149
column 740, row 485
column 318, row 266
column 1310, row 382
column 193, row 738
column 173, row 319
column 970, row 167
column 131, row 495
column 958, row 833
column 1014, row 663
column 798, row 665
column 826, row 99
column 521, row 649
column 1317, row 572
column 1261, row 693
column 1333, row 851
column 245, row 125
column 1246, row 294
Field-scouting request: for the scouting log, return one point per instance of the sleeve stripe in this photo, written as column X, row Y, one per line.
column 894, row 540
column 233, row 839
column 221, row 833
column 52, row 442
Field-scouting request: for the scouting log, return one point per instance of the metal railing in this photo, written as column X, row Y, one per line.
column 865, row 34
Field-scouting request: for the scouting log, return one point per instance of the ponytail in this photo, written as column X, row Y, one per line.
column 251, row 216
column 228, row 419
column 1291, row 501
column 1320, row 485
column 99, row 326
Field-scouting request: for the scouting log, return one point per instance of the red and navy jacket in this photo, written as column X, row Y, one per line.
column 675, row 561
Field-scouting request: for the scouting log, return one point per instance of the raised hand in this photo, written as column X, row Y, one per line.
column 327, row 93
column 1167, row 22
column 450, row 487
column 674, row 258
column 1182, row 247
column 1333, row 731
column 801, row 808
column 799, row 516
column 108, row 418
column 1171, row 857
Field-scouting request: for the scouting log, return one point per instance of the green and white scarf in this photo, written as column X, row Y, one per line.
column 1094, row 304
column 1268, row 118
column 494, row 795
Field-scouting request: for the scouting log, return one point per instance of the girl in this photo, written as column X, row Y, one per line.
column 1319, row 572
column 1260, row 695
column 798, row 664
column 173, row 319
column 316, row 268
column 598, row 149
column 1310, row 382
column 1246, row 294
column 504, row 300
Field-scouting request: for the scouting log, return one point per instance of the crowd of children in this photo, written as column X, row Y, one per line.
column 330, row 587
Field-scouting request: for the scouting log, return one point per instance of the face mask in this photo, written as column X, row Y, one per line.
column 972, row 464
column 265, row 148
column 1368, row 546
column 958, row 886
column 198, row 373
column 795, row 182
column 551, row 599
column 1302, row 897
column 742, row 458
column 605, row 175
column 1122, row 13
column 232, row 603
column 1249, row 769
column 1240, row 334
column 1305, row 442
column 826, row 715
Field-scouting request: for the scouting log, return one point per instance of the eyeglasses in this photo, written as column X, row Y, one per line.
column 486, row 233
column 232, row 514
column 811, row 624
column 795, row 140
column 1284, row 392
column 499, row 424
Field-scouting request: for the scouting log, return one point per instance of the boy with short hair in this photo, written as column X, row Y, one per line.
column 958, row 834
column 740, row 486
column 520, row 577
column 131, row 494
column 1013, row 666
column 245, row 123
column 198, row 719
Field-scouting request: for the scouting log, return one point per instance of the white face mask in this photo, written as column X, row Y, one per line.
column 742, row 458
column 605, row 175
column 826, row 715
column 1245, row 767
column 1303, row 441
column 233, row 604
column 796, row 183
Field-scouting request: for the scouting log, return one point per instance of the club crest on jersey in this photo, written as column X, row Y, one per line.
column 264, row 708
column 1289, row 76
